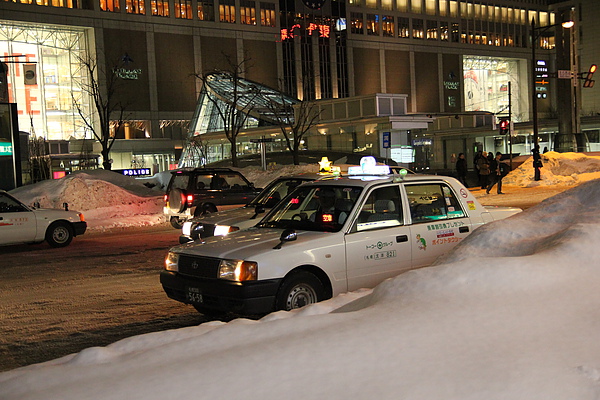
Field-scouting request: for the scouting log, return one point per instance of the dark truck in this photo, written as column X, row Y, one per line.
column 199, row 191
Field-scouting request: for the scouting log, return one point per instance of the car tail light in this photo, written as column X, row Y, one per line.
column 81, row 217
column 189, row 199
column 166, row 198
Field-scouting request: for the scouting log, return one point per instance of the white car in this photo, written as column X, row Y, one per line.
column 325, row 238
column 224, row 222
column 22, row 224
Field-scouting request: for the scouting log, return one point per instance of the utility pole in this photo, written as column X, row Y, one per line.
column 568, row 114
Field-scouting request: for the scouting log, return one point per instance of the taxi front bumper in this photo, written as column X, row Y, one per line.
column 217, row 295
column 79, row 228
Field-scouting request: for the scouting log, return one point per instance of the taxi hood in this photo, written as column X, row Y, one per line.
column 243, row 245
column 228, row 217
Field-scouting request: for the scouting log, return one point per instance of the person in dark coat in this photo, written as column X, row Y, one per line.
column 461, row 168
column 498, row 170
column 484, row 170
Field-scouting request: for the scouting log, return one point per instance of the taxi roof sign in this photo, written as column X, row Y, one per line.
column 368, row 166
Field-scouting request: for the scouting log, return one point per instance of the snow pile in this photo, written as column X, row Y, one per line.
column 567, row 169
column 512, row 314
column 106, row 198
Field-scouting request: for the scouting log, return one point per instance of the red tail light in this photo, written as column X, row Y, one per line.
column 166, row 198
column 190, row 200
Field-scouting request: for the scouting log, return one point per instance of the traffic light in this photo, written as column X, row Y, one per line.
column 589, row 82
column 504, row 126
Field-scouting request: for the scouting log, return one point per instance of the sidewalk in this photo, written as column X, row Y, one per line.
column 517, row 196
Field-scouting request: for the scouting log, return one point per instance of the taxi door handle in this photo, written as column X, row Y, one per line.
column 463, row 229
column 401, row 238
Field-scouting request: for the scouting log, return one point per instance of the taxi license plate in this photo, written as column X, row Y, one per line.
column 194, row 295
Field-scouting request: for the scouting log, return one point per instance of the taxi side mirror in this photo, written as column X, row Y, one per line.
column 258, row 210
column 287, row 235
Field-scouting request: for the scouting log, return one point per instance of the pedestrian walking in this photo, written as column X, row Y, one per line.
column 498, row 170
column 461, row 168
column 484, row 169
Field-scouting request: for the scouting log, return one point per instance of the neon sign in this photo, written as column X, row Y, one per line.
column 295, row 30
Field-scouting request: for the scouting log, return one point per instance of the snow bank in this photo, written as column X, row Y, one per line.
column 514, row 318
column 567, row 169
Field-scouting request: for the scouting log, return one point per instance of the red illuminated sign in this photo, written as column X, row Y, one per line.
column 327, row 218
column 322, row 30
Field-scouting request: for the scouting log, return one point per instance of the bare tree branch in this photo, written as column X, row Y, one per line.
column 101, row 86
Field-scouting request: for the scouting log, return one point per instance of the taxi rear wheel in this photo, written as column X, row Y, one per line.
column 59, row 234
column 299, row 289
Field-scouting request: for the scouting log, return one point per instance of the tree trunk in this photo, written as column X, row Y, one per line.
column 296, row 155
column 106, row 160
column 234, row 159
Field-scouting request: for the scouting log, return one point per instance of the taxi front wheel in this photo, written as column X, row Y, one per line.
column 299, row 289
column 59, row 234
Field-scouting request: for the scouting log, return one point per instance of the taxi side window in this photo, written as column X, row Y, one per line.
column 9, row 205
column 381, row 209
column 432, row 202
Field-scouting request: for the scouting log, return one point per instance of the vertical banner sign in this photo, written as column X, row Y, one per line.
column 386, row 140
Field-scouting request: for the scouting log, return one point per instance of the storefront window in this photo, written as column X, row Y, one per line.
column 485, row 83
column 48, row 78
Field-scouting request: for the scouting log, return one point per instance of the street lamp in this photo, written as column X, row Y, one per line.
column 534, row 38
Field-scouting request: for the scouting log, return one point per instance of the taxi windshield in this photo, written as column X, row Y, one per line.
column 314, row 208
column 276, row 191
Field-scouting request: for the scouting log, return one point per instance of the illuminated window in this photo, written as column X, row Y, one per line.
column 373, row 24
column 417, row 30
column 109, row 5
column 417, row 6
column 206, row 10
column 52, row 3
column 430, row 6
column 386, row 4
column 248, row 12
column 227, row 11
column 387, row 26
column 444, row 31
column 402, row 5
column 443, row 8
column 267, row 14
column 455, row 33
column 183, row 9
column 453, row 8
column 357, row 23
column 371, row 3
column 432, row 30
column 135, row 7
column 403, row 27
column 160, row 7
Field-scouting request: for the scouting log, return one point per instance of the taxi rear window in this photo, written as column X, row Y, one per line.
column 433, row 202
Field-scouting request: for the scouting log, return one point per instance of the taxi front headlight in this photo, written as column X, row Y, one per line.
column 224, row 230
column 238, row 270
column 171, row 262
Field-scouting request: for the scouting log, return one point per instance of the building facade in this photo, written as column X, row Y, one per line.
column 454, row 60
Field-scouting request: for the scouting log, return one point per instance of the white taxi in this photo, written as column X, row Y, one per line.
column 22, row 224
column 325, row 238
